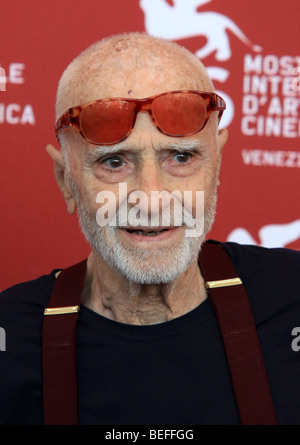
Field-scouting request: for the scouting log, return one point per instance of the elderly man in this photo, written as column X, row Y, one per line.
column 129, row 336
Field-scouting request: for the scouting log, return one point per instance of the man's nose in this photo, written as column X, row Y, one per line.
column 149, row 187
column 149, row 176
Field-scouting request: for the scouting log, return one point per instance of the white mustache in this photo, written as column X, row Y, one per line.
column 136, row 217
column 164, row 210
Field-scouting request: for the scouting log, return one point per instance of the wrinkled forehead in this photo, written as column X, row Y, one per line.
column 122, row 69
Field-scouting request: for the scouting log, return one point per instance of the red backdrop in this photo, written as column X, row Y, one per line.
column 258, row 77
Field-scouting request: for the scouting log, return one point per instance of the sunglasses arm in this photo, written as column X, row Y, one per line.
column 66, row 120
column 220, row 106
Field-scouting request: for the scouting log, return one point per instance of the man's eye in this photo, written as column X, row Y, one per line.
column 182, row 158
column 113, row 162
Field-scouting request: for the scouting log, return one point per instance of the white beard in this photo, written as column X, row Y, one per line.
column 152, row 265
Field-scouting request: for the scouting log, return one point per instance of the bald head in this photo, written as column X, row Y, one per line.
column 117, row 65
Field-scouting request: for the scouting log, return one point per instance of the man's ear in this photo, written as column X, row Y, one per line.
column 222, row 138
column 60, row 176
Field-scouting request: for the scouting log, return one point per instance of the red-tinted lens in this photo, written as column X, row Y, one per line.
column 107, row 121
column 179, row 114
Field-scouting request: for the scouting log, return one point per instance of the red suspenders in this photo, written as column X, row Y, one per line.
column 232, row 308
column 59, row 347
column 233, row 312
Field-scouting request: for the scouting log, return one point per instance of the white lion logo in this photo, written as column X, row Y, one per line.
column 271, row 235
column 183, row 20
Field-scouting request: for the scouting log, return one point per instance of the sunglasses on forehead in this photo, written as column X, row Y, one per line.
column 174, row 113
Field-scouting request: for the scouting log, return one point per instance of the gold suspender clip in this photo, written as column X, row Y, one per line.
column 223, row 283
column 61, row 310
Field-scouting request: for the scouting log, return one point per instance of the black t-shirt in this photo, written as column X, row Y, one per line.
column 173, row 373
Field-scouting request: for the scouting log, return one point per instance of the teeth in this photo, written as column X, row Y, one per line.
column 141, row 232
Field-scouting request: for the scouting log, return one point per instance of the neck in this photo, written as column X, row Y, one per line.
column 110, row 294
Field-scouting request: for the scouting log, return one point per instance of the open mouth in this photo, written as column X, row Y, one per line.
column 146, row 232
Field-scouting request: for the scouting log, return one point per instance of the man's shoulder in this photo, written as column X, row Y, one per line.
column 34, row 292
column 21, row 319
column 270, row 275
column 262, row 258
column 257, row 263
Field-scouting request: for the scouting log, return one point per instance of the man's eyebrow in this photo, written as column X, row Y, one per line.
column 106, row 150
column 93, row 154
column 185, row 146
